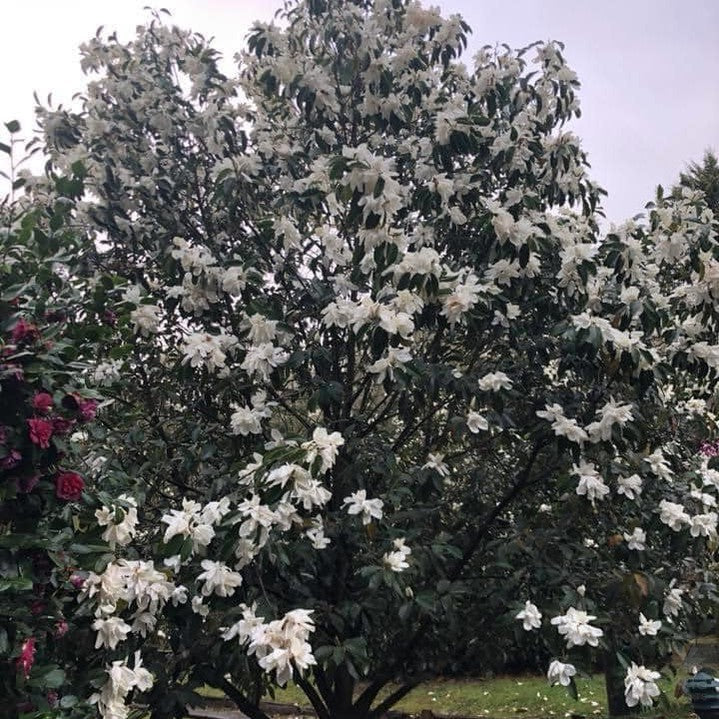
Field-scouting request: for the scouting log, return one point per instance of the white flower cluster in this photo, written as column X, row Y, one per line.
column 600, row 430
column 129, row 584
column 640, row 686
column 575, row 627
column 121, row 681
column 194, row 521
column 280, row 645
column 248, row 420
column 121, row 522
column 202, row 349
column 396, row 560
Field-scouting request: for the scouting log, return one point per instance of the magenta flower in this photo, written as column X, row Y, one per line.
column 27, row 656
column 42, row 402
column 40, row 432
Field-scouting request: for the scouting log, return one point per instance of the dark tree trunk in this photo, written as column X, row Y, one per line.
column 614, row 683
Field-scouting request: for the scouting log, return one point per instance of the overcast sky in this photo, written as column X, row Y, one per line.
column 649, row 68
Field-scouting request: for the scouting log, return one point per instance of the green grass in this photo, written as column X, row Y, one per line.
column 506, row 698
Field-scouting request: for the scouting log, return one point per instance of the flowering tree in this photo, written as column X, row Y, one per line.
column 364, row 324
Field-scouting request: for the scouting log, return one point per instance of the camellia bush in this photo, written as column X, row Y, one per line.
column 363, row 330
column 49, row 537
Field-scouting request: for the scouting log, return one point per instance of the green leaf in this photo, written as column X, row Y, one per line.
column 54, row 679
column 12, row 126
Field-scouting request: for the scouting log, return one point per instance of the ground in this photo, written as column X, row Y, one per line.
column 509, row 698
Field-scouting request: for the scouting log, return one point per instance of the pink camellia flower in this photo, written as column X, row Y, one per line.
column 10, row 460
column 61, row 628
column 61, row 425
column 24, row 331
column 77, row 581
column 42, row 402
column 51, row 698
column 40, row 432
column 27, row 656
column 87, row 408
column 69, row 486
column 37, row 607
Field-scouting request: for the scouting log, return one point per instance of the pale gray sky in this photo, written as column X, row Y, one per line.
column 649, row 68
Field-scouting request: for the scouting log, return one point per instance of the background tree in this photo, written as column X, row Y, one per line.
column 703, row 177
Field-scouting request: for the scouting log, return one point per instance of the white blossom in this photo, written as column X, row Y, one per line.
column 357, row 503
column 560, row 673
column 636, row 540
column 640, row 686
column 648, row 627
column 575, row 627
column 530, row 616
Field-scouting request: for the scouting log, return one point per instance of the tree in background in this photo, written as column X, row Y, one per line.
column 703, row 177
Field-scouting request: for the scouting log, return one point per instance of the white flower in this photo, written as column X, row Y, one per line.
column 609, row 415
column 110, row 632
column 146, row 319
column 198, row 607
column 636, row 540
column 647, row 627
column 234, row 280
column 118, row 532
column 673, row 515
column 476, row 422
column 369, row 508
column 630, row 487
column 218, row 578
column 316, row 534
column 263, row 359
column 672, row 603
column 560, row 673
column 574, row 625
column 396, row 358
column 703, row 525
column 261, row 329
column 494, row 381
column 188, row 522
column 121, row 680
column 531, row 616
column 436, row 462
column 658, row 464
column 204, row 349
column 245, row 421
column 561, row 425
column 324, row 444
column 590, row 483
column 397, row 559
column 107, row 373
column 640, row 686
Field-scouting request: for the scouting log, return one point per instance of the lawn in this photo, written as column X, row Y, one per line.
column 508, row 698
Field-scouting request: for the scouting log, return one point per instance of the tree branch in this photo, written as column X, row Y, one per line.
column 312, row 694
column 392, row 699
column 242, row 702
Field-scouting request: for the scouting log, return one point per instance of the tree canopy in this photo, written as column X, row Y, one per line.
column 370, row 368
